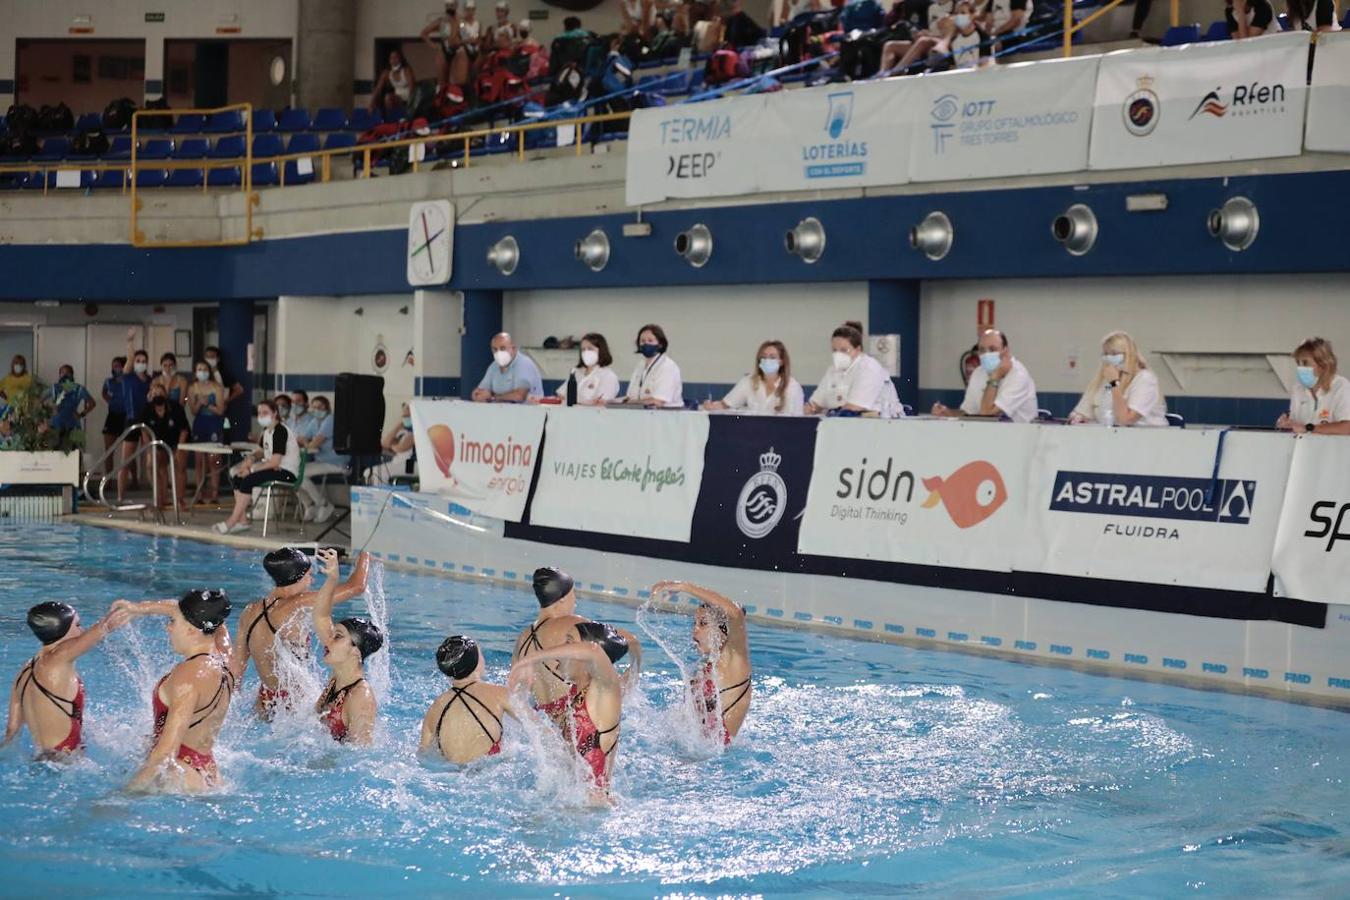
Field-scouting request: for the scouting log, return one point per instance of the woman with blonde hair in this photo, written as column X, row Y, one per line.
column 1320, row 399
column 768, row 390
column 1124, row 391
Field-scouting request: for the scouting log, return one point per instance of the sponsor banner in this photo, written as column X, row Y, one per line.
column 1329, row 94
column 1145, row 505
column 751, row 502
column 1030, row 118
column 1312, row 546
column 709, row 149
column 481, row 455
column 627, row 473
column 43, row 467
column 1200, row 103
column 923, row 492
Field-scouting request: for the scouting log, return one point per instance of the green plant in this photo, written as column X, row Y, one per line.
column 26, row 423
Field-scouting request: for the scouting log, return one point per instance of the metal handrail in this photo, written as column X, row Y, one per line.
column 148, row 447
column 109, row 454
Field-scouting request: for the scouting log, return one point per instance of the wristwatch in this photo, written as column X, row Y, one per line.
column 993, row 383
column 1113, row 384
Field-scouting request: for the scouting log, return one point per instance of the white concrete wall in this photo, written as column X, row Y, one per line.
column 1218, row 328
column 437, row 319
column 713, row 332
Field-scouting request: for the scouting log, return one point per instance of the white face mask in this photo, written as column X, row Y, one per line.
column 770, row 366
column 841, row 360
column 212, row 361
column 1114, row 359
column 203, row 374
column 962, row 20
column 140, row 367
column 265, row 421
column 503, row 358
column 590, row 357
column 169, row 371
column 18, row 368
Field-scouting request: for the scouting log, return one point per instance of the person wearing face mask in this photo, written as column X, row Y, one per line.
column 324, row 461
column 116, row 422
column 17, row 381
column 301, row 423
column 237, row 418
column 770, row 390
column 175, row 383
column 968, row 44
column 206, row 402
column 276, row 459
column 595, row 382
column 398, row 442
column 1124, row 391
column 71, row 400
column 855, row 383
column 510, row 378
column 1320, row 399
column 135, row 391
column 656, row 380
column 394, row 88
column 282, row 404
column 169, row 424
column 1001, row 386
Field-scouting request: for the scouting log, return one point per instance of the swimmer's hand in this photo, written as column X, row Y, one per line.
column 668, row 587
column 329, row 558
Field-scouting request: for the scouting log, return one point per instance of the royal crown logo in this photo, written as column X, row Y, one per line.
column 763, row 499
column 769, row 462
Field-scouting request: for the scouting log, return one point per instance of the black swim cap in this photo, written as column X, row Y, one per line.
column 286, row 566
column 365, row 634
column 205, row 608
column 457, row 656
column 551, row 585
column 51, row 621
column 614, row 644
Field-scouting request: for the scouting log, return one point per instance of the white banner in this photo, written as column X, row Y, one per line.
column 1312, row 547
column 1329, row 94
column 1201, row 103
column 621, row 472
column 927, row 492
column 1142, row 504
column 481, row 455
column 711, row 149
column 1022, row 119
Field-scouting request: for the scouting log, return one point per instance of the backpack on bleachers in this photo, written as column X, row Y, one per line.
column 860, row 54
column 162, row 122
column 20, row 117
column 723, row 66
column 568, row 86
column 802, row 41
column 117, row 114
column 19, row 143
column 565, row 51
column 89, row 143
column 422, row 99
column 861, row 15
column 56, row 119
column 616, row 75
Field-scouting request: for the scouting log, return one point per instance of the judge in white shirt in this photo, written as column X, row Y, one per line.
column 1000, row 386
column 656, row 380
column 1320, row 399
column 596, row 382
column 855, row 382
column 770, row 390
column 1125, row 391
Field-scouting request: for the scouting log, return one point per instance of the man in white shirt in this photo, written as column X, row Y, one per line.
column 1000, row 386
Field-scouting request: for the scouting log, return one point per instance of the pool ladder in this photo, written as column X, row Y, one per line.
column 151, row 446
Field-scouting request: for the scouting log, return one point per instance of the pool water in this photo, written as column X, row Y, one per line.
column 863, row 768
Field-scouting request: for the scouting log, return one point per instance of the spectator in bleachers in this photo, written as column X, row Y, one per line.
column 135, row 389
column 1313, row 15
column 324, row 461
column 206, row 403
column 393, row 90
column 399, row 443
column 1249, row 18
column 667, row 41
column 282, row 404
column 444, row 34
column 18, row 379
column 276, row 459
column 502, row 26
column 596, row 383
column 855, row 382
column 930, row 30
column 510, row 377
column 71, row 400
column 1320, row 399
column 967, row 44
column 1000, row 386
column 1000, row 17
column 572, row 29
column 470, row 29
column 784, row 11
column 528, row 46
column 169, row 424
column 637, row 17
column 656, row 380
column 116, row 422
column 770, row 389
column 738, row 28
column 175, row 383
column 1124, row 391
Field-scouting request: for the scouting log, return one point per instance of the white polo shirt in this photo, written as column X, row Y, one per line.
column 752, row 395
column 656, row 379
column 601, row 385
column 1016, row 397
column 864, row 383
column 1331, row 405
column 1143, row 395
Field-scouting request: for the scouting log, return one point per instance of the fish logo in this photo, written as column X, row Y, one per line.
column 443, row 446
column 1210, row 104
column 971, row 494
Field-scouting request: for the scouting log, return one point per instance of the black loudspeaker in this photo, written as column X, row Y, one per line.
column 358, row 414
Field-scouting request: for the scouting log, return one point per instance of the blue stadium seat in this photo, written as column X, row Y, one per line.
column 192, row 148
column 151, row 178
column 230, row 176
column 226, row 122
column 110, row 179
column 1345, row 21
column 301, row 143
column 184, row 178
column 363, row 119
column 293, row 120
column 53, row 149
column 1218, row 31
column 231, row 147
column 329, row 118
column 120, row 148
column 189, row 123
column 264, row 146
column 1181, row 34
column 158, row 148
column 339, row 140
column 264, row 120
column 1176, row 420
column 89, row 122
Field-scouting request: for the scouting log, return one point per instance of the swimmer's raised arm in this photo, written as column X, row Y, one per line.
column 590, row 654
column 634, row 670
column 355, row 585
column 146, row 607
column 323, row 603
column 730, row 608
column 88, row 640
column 181, row 698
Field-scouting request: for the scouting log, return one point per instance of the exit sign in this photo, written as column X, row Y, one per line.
column 154, row 17
column 538, row 14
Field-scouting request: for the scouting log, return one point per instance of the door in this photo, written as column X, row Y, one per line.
column 58, row 345
column 213, row 74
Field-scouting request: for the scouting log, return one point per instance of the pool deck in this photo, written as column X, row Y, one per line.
column 197, row 526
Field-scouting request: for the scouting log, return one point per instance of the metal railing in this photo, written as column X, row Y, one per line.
column 1071, row 27
column 149, row 446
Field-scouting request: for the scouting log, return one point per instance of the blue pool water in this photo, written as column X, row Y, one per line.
column 864, row 768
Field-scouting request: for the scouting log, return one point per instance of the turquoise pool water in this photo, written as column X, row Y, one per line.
column 863, row 769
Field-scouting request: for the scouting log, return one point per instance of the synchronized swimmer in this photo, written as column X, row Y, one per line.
column 563, row 665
